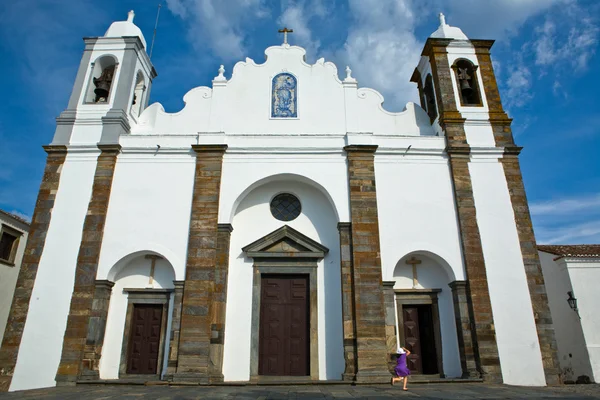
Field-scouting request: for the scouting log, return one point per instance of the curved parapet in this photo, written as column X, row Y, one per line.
column 322, row 103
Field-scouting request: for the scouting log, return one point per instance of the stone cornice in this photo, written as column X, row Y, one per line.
column 110, row 148
column 209, row 148
column 458, row 150
column 482, row 45
column 434, row 45
column 512, row 150
column 361, row 148
column 225, row 228
column 55, row 148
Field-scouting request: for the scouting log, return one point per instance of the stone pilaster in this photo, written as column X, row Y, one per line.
column 196, row 320
column 485, row 347
column 34, row 248
column 389, row 298
column 96, row 330
column 80, row 312
column 219, row 302
column 347, row 272
column 464, row 333
column 480, row 307
column 533, row 269
column 175, row 327
column 368, row 289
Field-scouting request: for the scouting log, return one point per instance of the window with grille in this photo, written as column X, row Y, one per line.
column 285, row 207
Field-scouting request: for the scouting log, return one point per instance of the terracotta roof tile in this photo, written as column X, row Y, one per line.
column 574, row 250
column 20, row 219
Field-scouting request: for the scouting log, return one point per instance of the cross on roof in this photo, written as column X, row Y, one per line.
column 285, row 31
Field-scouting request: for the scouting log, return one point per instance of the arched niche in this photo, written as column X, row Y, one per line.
column 424, row 303
column 138, row 100
column 465, row 73
column 101, row 82
column 144, row 279
column 429, row 98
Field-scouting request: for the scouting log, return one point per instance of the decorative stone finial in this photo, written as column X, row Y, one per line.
column 221, row 76
column 130, row 16
column 349, row 77
column 442, row 19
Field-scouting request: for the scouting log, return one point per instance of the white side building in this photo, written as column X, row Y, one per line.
column 572, row 274
column 13, row 236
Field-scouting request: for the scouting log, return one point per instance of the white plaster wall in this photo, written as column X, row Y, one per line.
column 149, row 209
column 243, row 172
column 585, row 275
column 432, row 275
column 41, row 345
column 572, row 352
column 9, row 274
column 252, row 221
column 134, row 275
column 518, row 345
column 415, row 203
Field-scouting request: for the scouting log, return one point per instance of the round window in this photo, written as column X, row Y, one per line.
column 285, row 207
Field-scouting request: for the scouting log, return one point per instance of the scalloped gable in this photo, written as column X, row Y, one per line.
column 325, row 104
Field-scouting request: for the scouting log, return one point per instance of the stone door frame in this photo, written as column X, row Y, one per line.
column 145, row 296
column 285, row 252
column 421, row 297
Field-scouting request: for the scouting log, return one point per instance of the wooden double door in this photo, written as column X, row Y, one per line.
column 144, row 339
column 420, row 339
column 284, row 326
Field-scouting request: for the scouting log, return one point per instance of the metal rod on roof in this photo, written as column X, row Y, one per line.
column 155, row 26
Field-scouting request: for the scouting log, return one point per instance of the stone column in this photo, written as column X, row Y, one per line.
column 34, row 248
column 533, row 268
column 347, row 271
column 96, row 330
column 464, row 333
column 175, row 327
column 80, row 312
column 219, row 302
column 368, row 290
column 196, row 321
column 389, row 298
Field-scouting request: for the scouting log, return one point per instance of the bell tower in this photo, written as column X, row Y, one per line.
column 458, row 89
column 111, row 89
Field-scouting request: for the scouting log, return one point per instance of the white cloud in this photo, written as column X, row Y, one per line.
column 382, row 50
column 566, row 206
column 518, row 84
column 219, row 25
column 297, row 15
column 586, row 232
column 554, row 47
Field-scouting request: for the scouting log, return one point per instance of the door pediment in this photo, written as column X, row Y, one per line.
column 285, row 242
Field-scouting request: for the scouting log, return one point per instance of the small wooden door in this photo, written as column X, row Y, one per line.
column 412, row 338
column 144, row 340
column 284, row 326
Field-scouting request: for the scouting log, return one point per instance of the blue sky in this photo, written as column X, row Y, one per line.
column 546, row 59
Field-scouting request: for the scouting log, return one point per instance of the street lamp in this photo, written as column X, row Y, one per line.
column 572, row 302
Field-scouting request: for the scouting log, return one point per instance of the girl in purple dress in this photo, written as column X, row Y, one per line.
column 401, row 369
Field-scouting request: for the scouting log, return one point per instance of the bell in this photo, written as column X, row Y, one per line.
column 465, row 88
column 103, row 84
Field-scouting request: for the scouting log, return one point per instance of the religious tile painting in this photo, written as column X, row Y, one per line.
column 284, row 99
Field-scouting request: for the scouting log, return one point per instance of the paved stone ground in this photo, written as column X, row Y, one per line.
column 431, row 391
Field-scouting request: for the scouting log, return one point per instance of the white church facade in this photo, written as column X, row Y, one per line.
column 282, row 224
